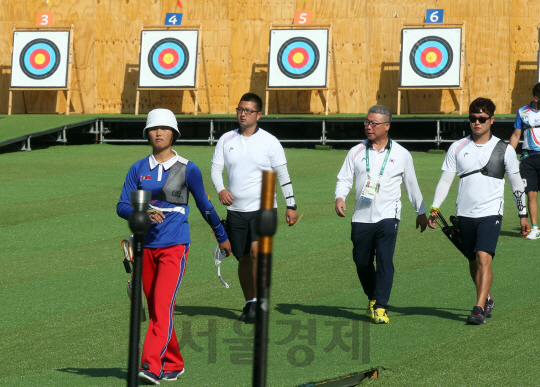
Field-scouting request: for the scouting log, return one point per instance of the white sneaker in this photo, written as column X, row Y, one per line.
column 534, row 234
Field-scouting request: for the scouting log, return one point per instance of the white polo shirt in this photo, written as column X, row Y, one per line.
column 387, row 204
column 478, row 195
column 245, row 158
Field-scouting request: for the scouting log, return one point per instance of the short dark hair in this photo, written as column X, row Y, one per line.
column 536, row 90
column 252, row 97
column 482, row 105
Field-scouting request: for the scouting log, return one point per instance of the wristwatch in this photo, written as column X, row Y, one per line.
column 524, row 215
column 292, row 207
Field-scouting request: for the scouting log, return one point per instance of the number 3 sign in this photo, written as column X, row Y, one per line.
column 434, row 15
column 44, row 19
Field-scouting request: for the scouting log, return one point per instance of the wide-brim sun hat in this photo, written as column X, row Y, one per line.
column 160, row 117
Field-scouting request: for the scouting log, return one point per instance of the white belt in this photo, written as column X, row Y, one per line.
column 181, row 210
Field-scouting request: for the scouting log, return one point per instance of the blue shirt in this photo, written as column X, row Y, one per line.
column 174, row 229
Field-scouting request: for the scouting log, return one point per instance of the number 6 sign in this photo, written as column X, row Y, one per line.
column 434, row 15
column 44, row 19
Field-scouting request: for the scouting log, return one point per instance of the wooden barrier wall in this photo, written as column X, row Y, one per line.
column 501, row 37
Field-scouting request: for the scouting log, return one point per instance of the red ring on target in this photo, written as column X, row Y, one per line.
column 162, row 55
column 426, row 52
column 301, row 51
column 46, row 55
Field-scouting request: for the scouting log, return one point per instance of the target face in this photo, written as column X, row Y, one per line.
column 431, row 57
column 40, row 59
column 298, row 58
column 168, row 58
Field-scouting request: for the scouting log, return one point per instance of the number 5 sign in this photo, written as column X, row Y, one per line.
column 302, row 17
column 44, row 19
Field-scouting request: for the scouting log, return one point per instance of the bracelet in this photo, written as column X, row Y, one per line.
column 434, row 209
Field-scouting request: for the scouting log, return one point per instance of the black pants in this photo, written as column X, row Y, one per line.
column 372, row 240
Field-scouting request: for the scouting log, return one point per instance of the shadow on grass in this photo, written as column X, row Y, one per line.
column 446, row 313
column 321, row 310
column 191, row 311
column 515, row 234
column 358, row 313
column 119, row 373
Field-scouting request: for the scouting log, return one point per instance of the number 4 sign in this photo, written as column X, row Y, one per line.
column 173, row 19
column 434, row 15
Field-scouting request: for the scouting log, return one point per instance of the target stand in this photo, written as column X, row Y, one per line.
column 168, row 60
column 433, row 57
column 41, row 60
column 299, row 58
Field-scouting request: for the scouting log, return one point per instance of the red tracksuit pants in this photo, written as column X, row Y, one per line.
column 162, row 272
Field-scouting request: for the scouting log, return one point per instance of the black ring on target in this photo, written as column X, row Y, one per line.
column 431, row 57
column 310, row 58
column 180, row 58
column 44, row 49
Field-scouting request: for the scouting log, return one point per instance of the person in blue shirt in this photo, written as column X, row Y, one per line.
column 170, row 178
column 528, row 123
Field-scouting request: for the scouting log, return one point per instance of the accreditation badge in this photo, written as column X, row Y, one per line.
column 369, row 190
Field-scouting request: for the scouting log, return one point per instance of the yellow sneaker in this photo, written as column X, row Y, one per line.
column 369, row 310
column 380, row 316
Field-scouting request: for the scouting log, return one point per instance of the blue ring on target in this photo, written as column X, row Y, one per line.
column 312, row 60
column 44, row 47
column 181, row 55
column 419, row 48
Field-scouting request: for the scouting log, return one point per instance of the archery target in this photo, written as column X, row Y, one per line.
column 430, row 57
column 298, row 58
column 168, row 58
column 40, row 59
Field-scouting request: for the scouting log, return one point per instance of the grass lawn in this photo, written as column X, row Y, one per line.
column 64, row 319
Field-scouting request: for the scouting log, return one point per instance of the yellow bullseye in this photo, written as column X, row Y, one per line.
column 298, row 58
column 431, row 57
column 168, row 58
column 40, row 59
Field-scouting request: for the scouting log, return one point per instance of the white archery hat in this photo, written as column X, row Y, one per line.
column 160, row 117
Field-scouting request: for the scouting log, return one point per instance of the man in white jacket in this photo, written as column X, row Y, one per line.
column 480, row 160
column 379, row 166
column 246, row 152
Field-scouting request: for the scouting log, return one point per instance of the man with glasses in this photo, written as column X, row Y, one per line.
column 246, row 152
column 480, row 160
column 528, row 122
column 380, row 166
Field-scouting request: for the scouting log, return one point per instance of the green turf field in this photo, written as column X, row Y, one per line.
column 64, row 319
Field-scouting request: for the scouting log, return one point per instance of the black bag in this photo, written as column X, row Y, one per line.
column 452, row 232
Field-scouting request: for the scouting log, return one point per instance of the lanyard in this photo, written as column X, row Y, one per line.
column 385, row 159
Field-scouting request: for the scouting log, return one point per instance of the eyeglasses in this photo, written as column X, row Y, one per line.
column 482, row 119
column 373, row 123
column 247, row 111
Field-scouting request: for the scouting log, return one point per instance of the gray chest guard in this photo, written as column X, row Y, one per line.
column 495, row 166
column 175, row 190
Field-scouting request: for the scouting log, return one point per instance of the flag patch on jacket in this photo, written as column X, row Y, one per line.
column 145, row 178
